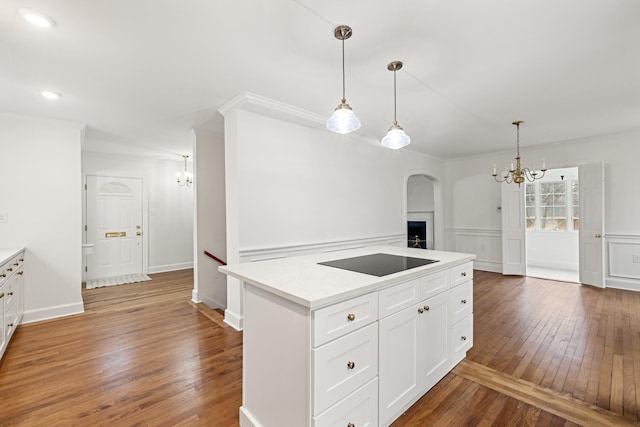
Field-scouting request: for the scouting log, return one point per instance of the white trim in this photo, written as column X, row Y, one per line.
column 475, row 231
column 54, row 312
column 260, row 254
column 170, row 267
column 484, row 265
column 234, row 320
column 629, row 285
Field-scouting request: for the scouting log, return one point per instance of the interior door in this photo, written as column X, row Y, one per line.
column 591, row 227
column 114, row 226
column 514, row 260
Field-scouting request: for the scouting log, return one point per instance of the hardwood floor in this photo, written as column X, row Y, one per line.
column 545, row 354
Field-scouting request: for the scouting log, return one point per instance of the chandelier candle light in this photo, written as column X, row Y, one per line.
column 518, row 173
column 395, row 138
column 343, row 119
column 184, row 178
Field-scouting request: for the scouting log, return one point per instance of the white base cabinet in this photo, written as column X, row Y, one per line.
column 11, row 297
column 356, row 362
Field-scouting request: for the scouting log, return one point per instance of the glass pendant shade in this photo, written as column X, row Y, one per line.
column 396, row 138
column 343, row 120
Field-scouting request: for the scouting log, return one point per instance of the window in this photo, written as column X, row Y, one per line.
column 552, row 206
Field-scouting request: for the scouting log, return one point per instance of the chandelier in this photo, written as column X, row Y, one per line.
column 343, row 120
column 518, row 173
column 395, row 138
column 184, row 178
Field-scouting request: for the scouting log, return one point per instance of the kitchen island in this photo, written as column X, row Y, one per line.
column 327, row 346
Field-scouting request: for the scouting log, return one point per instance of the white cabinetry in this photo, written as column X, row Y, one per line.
column 11, row 296
column 355, row 360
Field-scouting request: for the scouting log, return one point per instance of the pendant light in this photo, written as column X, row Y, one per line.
column 395, row 138
column 343, row 120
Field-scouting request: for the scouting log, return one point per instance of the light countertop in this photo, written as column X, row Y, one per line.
column 300, row 279
column 8, row 253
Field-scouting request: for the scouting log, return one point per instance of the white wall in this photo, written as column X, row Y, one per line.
column 293, row 185
column 420, row 196
column 168, row 215
column 41, row 184
column 210, row 233
column 473, row 222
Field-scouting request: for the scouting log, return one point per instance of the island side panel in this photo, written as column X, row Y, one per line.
column 276, row 358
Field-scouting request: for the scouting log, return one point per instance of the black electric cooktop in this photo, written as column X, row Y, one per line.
column 378, row 264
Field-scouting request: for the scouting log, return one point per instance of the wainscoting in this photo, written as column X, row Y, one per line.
column 623, row 261
column 484, row 243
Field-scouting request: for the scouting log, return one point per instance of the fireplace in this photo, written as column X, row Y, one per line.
column 417, row 234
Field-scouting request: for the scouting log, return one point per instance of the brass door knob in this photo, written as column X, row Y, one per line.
column 138, row 233
column 351, row 365
column 351, row 317
column 597, row 236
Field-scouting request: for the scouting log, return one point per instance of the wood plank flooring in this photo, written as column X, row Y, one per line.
column 545, row 354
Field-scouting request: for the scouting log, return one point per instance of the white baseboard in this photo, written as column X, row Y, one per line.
column 170, row 267
column 48, row 313
column 492, row 266
column 629, row 285
column 212, row 303
column 234, row 320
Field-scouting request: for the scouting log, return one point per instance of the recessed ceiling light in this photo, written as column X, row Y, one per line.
column 37, row 18
column 50, row 95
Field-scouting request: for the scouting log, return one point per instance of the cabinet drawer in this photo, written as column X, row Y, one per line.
column 461, row 273
column 339, row 319
column 342, row 366
column 433, row 284
column 398, row 297
column 461, row 304
column 461, row 339
column 358, row 409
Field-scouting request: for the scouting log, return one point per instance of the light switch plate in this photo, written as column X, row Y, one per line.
column 4, row 217
column 636, row 258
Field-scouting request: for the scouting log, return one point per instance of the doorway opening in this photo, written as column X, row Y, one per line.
column 552, row 225
column 420, row 212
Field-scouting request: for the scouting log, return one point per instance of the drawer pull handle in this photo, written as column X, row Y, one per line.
column 2, row 295
column 21, row 259
column 351, row 425
column 11, row 293
column 464, row 301
column 463, row 338
column 351, row 317
column 20, row 273
column 351, row 365
column 426, row 308
column 463, row 274
column 421, row 310
column 10, row 269
column 16, row 264
column 10, row 325
column 3, row 275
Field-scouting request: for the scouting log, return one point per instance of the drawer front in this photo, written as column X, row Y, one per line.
column 461, row 302
column 398, row 297
column 433, row 284
column 357, row 409
column 339, row 319
column 461, row 273
column 342, row 366
column 461, row 339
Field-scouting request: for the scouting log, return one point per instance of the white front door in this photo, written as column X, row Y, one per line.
column 114, row 226
column 514, row 260
column 590, row 236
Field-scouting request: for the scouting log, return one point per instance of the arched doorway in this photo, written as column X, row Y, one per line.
column 421, row 209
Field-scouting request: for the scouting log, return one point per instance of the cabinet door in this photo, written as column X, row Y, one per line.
column 3, row 325
column 398, row 363
column 433, row 341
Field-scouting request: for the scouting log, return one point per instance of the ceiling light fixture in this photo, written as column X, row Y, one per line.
column 343, row 120
column 518, row 173
column 36, row 18
column 395, row 138
column 184, row 178
column 50, row 95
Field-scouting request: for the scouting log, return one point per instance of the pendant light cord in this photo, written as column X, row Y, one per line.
column 518, row 139
column 395, row 105
column 344, row 100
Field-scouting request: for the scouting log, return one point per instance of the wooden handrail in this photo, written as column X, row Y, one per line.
column 210, row 255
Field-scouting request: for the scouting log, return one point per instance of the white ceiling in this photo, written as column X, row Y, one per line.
column 142, row 73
